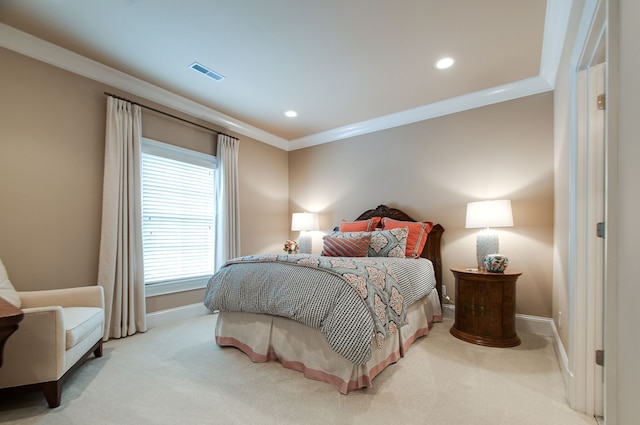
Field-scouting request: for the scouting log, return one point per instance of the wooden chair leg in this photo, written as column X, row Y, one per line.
column 53, row 389
column 98, row 351
column 53, row 392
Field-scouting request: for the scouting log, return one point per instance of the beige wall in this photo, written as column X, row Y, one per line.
column 51, row 163
column 51, row 159
column 431, row 169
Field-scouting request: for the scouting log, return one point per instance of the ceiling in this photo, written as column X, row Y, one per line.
column 347, row 67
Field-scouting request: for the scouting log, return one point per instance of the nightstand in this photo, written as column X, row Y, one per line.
column 485, row 311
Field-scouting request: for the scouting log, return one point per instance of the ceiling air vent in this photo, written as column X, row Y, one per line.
column 206, row 71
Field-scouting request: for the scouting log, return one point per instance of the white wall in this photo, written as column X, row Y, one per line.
column 627, row 375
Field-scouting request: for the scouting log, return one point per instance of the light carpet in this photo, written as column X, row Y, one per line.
column 176, row 374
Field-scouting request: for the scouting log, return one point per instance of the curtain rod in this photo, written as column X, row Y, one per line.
column 167, row 114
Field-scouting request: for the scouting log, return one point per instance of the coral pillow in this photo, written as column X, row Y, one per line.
column 375, row 221
column 418, row 233
column 346, row 247
column 355, row 226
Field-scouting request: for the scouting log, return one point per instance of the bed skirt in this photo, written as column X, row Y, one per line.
column 296, row 346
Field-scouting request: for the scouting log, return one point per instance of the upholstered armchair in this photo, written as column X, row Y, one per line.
column 60, row 329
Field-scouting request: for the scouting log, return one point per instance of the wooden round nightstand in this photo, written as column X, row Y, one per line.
column 485, row 311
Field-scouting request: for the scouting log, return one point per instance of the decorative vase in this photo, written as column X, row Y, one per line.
column 496, row 263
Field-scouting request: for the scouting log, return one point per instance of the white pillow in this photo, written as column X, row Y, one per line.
column 7, row 291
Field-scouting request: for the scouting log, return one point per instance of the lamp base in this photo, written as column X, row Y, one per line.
column 305, row 243
column 486, row 243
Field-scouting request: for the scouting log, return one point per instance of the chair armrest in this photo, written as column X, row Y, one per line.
column 84, row 296
column 36, row 351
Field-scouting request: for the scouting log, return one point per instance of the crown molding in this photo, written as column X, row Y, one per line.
column 556, row 21
column 28, row 45
column 555, row 29
column 465, row 102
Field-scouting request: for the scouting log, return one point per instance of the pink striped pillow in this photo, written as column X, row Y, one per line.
column 346, row 247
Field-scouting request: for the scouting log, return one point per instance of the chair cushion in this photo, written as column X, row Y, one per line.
column 7, row 291
column 80, row 322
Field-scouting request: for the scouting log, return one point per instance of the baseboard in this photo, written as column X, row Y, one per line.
column 563, row 359
column 547, row 327
column 536, row 325
column 163, row 317
column 448, row 311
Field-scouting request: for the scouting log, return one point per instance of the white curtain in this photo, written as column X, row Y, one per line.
column 227, row 201
column 121, row 269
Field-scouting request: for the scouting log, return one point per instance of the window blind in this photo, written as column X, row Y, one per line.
column 178, row 214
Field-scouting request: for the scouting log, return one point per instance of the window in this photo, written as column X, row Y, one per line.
column 178, row 218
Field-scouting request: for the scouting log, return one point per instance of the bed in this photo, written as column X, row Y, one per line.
column 302, row 310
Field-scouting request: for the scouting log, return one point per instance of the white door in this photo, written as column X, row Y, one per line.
column 597, row 221
column 590, row 254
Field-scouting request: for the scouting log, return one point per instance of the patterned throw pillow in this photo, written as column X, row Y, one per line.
column 384, row 243
column 346, row 247
column 389, row 243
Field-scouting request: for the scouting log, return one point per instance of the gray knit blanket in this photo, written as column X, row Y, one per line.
column 350, row 300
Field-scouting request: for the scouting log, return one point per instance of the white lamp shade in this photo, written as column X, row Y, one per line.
column 304, row 222
column 489, row 214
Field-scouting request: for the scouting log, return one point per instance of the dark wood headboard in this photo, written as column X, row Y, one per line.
column 431, row 249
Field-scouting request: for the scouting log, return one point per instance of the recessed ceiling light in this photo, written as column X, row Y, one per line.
column 444, row 63
column 291, row 114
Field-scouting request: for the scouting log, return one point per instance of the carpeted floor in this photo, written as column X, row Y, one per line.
column 176, row 374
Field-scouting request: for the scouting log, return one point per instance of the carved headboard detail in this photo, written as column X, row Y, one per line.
column 431, row 249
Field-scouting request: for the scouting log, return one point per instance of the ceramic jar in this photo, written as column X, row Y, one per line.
column 496, row 263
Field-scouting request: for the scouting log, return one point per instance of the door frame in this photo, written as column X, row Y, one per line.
column 590, row 307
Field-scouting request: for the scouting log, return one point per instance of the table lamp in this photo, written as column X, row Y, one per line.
column 304, row 223
column 485, row 215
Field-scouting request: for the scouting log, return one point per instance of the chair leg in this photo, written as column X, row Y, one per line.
column 98, row 351
column 53, row 389
column 53, row 392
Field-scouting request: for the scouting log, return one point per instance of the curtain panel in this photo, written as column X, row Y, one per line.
column 227, row 201
column 121, row 268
